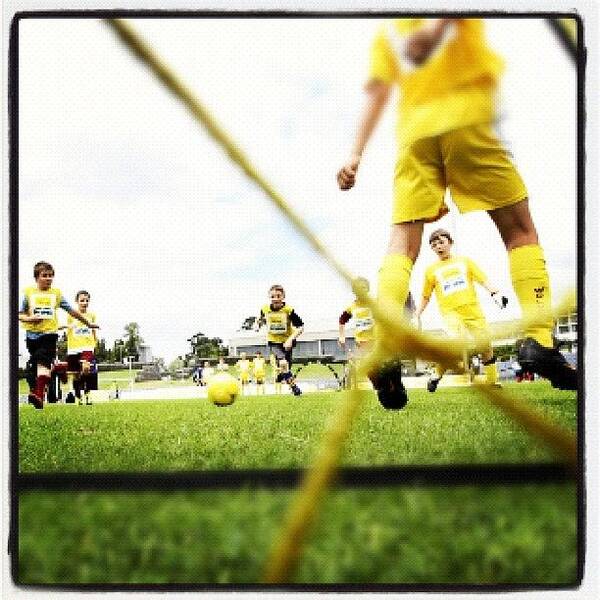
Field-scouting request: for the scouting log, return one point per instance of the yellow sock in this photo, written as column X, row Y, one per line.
column 393, row 283
column 491, row 373
column 532, row 286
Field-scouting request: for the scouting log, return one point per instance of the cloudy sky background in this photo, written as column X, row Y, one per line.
column 129, row 198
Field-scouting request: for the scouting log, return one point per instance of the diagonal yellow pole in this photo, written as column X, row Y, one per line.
column 399, row 334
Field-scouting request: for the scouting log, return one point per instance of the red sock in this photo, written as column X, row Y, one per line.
column 40, row 385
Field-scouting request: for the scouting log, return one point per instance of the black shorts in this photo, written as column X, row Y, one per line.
column 74, row 361
column 42, row 350
column 280, row 352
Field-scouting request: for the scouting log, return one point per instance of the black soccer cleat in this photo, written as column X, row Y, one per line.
column 549, row 363
column 296, row 390
column 432, row 384
column 387, row 380
column 70, row 398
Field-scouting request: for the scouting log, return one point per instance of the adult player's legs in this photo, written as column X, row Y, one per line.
column 532, row 286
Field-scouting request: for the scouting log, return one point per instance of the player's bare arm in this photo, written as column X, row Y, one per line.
column 289, row 342
column 498, row 298
column 342, row 336
column 378, row 94
column 420, row 309
column 27, row 318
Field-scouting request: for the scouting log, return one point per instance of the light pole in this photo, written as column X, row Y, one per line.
column 130, row 359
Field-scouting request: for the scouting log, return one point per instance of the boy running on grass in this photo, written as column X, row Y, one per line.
column 82, row 370
column 283, row 327
column 453, row 279
column 38, row 316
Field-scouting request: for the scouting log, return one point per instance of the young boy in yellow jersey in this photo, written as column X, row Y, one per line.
column 283, row 327
column 448, row 76
column 243, row 367
column 453, row 278
column 81, row 342
column 37, row 314
column 259, row 371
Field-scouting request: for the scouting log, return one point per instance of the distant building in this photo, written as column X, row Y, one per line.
column 320, row 342
column 145, row 352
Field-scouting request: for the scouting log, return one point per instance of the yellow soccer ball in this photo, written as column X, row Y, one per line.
column 223, row 389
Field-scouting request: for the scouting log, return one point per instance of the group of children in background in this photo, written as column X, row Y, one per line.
column 452, row 279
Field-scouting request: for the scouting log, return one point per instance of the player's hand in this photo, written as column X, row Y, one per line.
column 500, row 300
column 346, row 176
column 288, row 344
column 419, row 46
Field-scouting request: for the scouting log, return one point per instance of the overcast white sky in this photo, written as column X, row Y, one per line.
column 129, row 198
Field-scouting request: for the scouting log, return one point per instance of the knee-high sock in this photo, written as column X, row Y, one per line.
column 491, row 373
column 393, row 283
column 532, row 286
column 41, row 383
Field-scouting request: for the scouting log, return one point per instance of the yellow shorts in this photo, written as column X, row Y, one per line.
column 259, row 377
column 469, row 320
column 470, row 161
column 244, row 377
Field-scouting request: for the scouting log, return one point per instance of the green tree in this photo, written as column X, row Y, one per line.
column 103, row 353
column 205, row 347
column 132, row 339
column 248, row 324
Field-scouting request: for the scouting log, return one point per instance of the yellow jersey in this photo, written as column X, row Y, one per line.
column 80, row 337
column 453, row 88
column 363, row 321
column 280, row 322
column 453, row 281
column 43, row 304
column 258, row 366
column 243, row 366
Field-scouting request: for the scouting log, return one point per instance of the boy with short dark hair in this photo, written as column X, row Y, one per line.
column 453, row 278
column 283, row 327
column 81, row 343
column 38, row 316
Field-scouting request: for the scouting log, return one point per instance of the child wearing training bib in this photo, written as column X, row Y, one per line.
column 283, row 326
column 82, row 370
column 453, row 279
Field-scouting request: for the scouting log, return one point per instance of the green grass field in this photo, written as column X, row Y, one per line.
column 514, row 534
column 523, row 534
column 454, row 425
